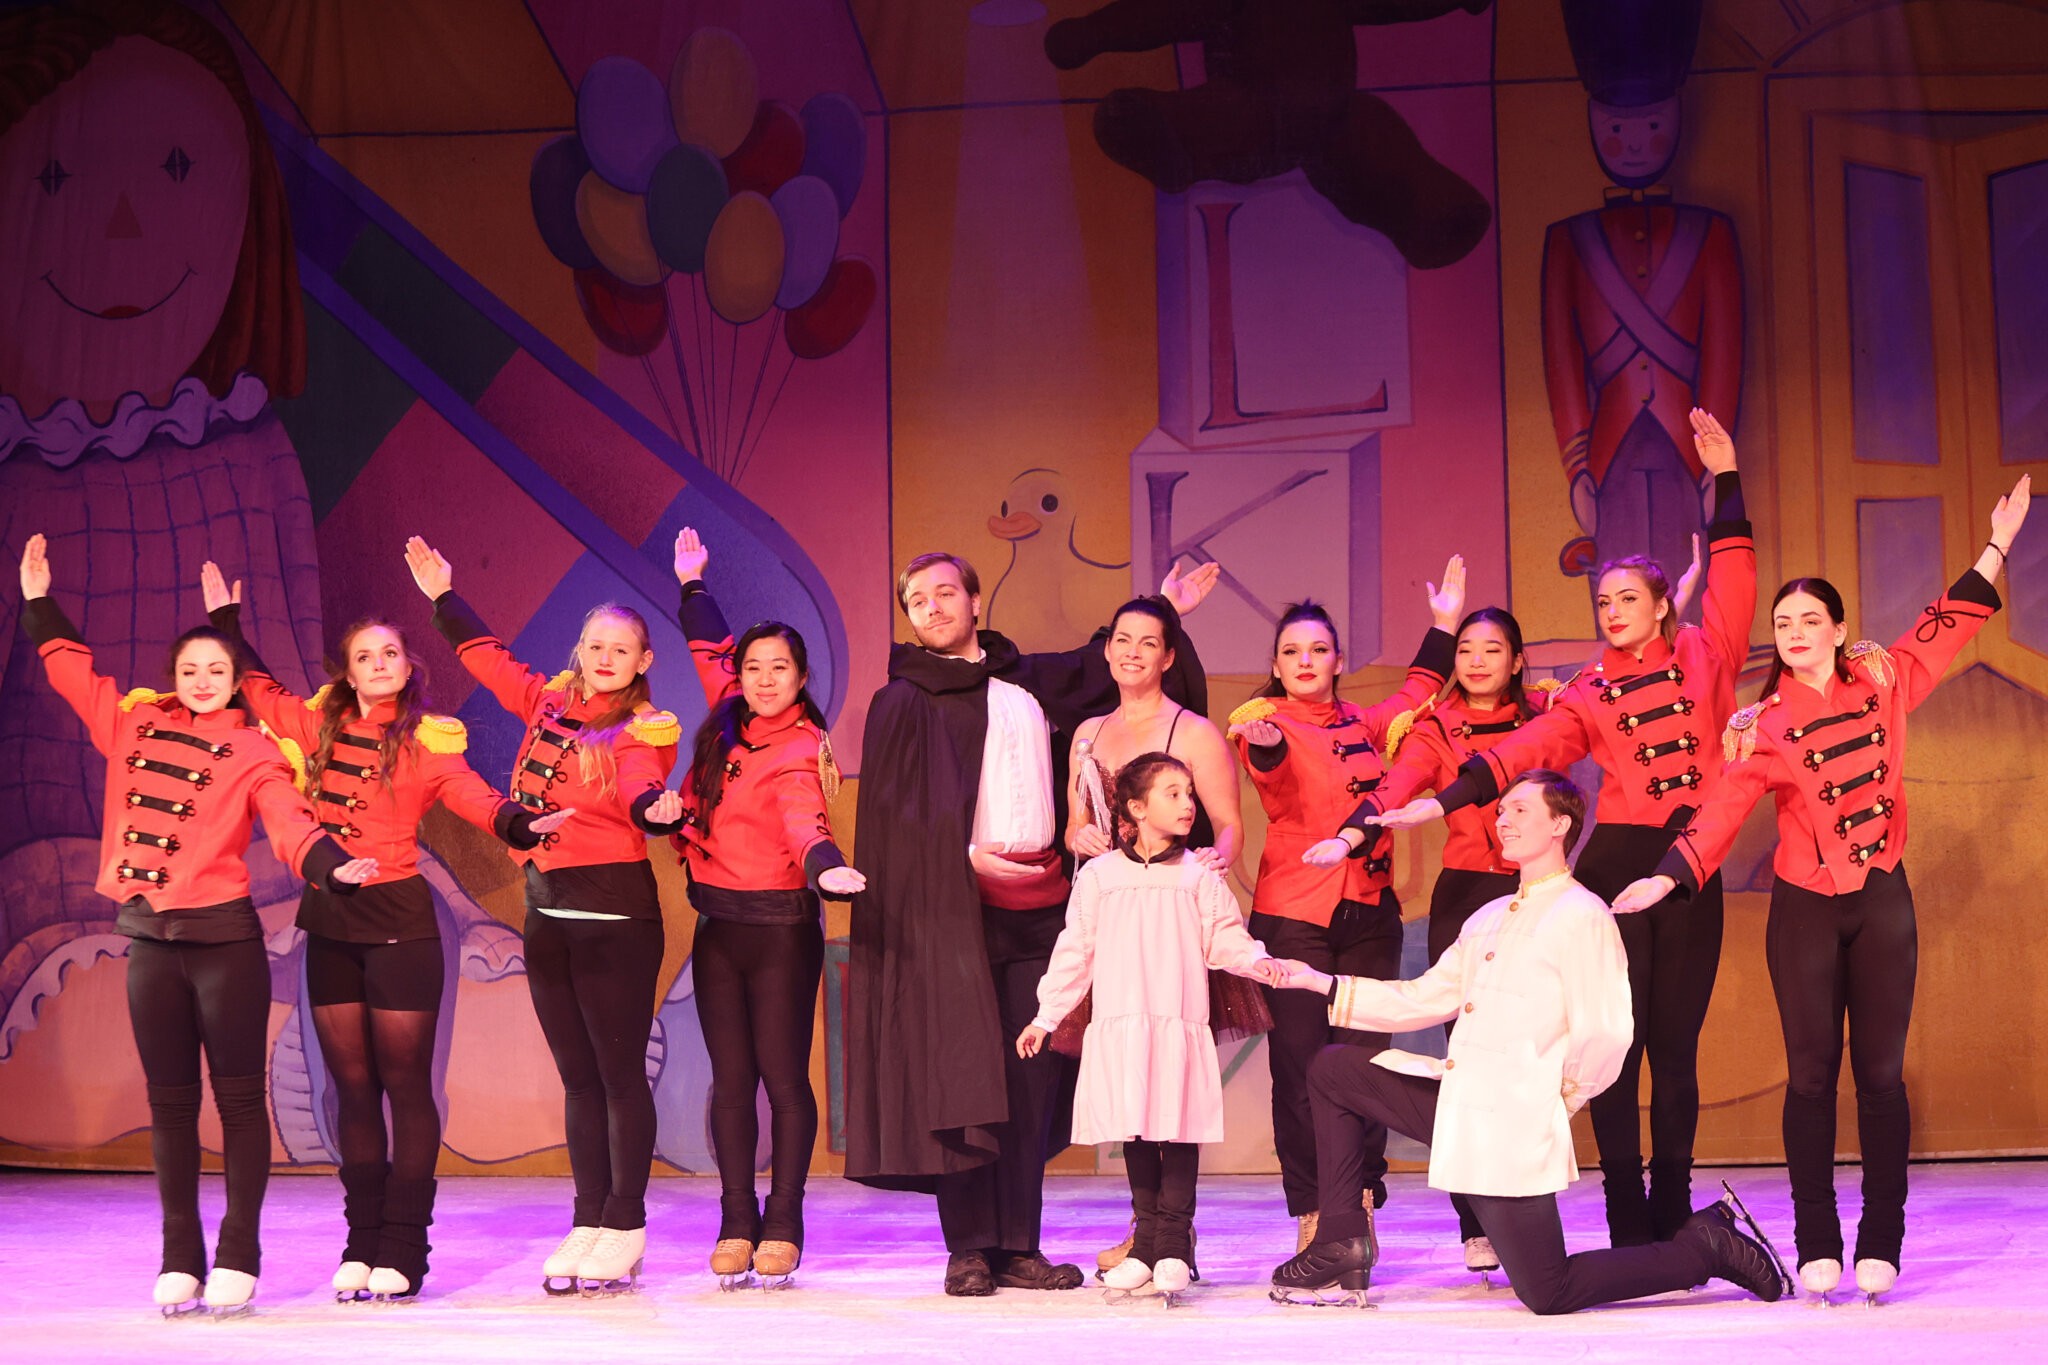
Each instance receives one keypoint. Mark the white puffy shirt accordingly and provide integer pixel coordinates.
(1013, 806)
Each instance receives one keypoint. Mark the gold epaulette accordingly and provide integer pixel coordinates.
(828, 765)
(319, 699)
(1258, 708)
(1547, 688)
(441, 734)
(1738, 741)
(659, 728)
(1402, 724)
(1876, 661)
(146, 696)
(560, 682)
(293, 754)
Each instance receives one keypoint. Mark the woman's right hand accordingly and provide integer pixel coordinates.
(1326, 853)
(665, 809)
(1086, 841)
(357, 871)
(691, 556)
(1409, 816)
(213, 586)
(429, 569)
(1641, 895)
(35, 568)
(1260, 734)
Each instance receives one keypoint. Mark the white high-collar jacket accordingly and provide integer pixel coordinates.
(1538, 984)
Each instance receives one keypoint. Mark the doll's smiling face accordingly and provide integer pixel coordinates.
(124, 195)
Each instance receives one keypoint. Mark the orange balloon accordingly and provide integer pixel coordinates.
(712, 91)
(743, 259)
(614, 223)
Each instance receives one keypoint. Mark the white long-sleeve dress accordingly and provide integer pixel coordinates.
(1144, 934)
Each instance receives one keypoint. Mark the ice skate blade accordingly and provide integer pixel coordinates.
(1875, 1300)
(352, 1296)
(231, 1311)
(605, 1289)
(772, 1283)
(1788, 1287)
(173, 1311)
(728, 1284)
(1317, 1298)
(393, 1300)
(558, 1286)
(1821, 1301)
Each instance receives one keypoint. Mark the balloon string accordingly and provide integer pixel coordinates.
(768, 412)
(707, 346)
(732, 365)
(754, 398)
(709, 453)
(675, 346)
(654, 382)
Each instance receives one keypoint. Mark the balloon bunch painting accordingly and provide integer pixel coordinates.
(693, 212)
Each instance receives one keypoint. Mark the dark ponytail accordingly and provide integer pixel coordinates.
(720, 732)
(1830, 597)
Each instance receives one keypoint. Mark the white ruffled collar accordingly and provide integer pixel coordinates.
(65, 433)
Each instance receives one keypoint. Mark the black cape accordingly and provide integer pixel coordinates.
(924, 1048)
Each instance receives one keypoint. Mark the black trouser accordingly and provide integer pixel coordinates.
(592, 983)
(997, 1206)
(1162, 1176)
(185, 998)
(1460, 892)
(757, 996)
(1354, 1098)
(1363, 939)
(1853, 955)
(1674, 954)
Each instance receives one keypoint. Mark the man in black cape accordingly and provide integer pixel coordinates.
(949, 940)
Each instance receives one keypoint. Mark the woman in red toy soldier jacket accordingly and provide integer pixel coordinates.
(595, 745)
(1311, 756)
(1484, 703)
(1828, 740)
(1647, 710)
(375, 759)
(759, 849)
(186, 774)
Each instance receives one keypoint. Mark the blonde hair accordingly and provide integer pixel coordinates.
(596, 759)
(1653, 576)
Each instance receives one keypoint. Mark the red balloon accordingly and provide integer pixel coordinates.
(773, 152)
(631, 319)
(835, 314)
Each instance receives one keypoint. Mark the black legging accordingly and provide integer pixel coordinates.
(757, 996)
(1674, 954)
(1457, 896)
(592, 983)
(1853, 955)
(1356, 1102)
(1363, 939)
(1163, 1177)
(185, 998)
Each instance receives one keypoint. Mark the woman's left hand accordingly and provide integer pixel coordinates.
(1211, 858)
(357, 871)
(1447, 603)
(2011, 513)
(665, 809)
(841, 881)
(1186, 591)
(554, 820)
(1710, 441)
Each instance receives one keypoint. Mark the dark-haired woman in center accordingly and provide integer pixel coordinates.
(1312, 755)
(758, 845)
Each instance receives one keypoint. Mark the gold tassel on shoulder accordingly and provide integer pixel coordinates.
(828, 765)
(659, 728)
(146, 696)
(1402, 724)
(293, 755)
(1738, 741)
(319, 699)
(441, 735)
(1876, 661)
(560, 682)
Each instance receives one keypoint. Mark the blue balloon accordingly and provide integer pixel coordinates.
(835, 145)
(684, 198)
(810, 234)
(558, 169)
(622, 115)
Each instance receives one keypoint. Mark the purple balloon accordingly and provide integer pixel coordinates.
(622, 116)
(835, 145)
(683, 201)
(558, 169)
(809, 214)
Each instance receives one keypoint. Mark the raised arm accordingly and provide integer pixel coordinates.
(276, 705)
(1435, 659)
(702, 622)
(1730, 603)
(96, 699)
(1923, 654)
(517, 687)
(1072, 685)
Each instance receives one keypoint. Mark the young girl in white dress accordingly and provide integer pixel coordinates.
(1145, 923)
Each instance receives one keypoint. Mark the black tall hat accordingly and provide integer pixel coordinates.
(1632, 52)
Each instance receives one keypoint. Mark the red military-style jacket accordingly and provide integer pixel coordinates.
(1642, 312)
(1328, 757)
(1445, 735)
(1649, 722)
(769, 831)
(1835, 760)
(369, 816)
(548, 775)
(182, 789)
